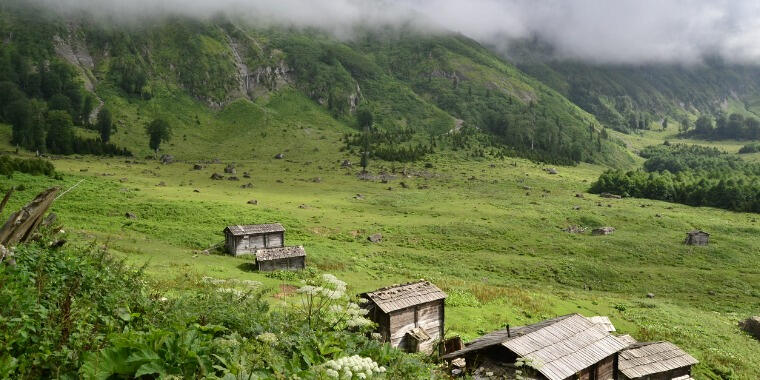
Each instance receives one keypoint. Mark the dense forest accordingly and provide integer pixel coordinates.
(692, 175)
(722, 127)
(41, 96)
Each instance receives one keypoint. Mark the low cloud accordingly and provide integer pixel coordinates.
(604, 31)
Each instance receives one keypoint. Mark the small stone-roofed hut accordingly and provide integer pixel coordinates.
(655, 360)
(566, 347)
(246, 239)
(284, 258)
(409, 316)
(697, 237)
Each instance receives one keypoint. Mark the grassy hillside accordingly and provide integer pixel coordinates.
(189, 71)
(616, 93)
(490, 235)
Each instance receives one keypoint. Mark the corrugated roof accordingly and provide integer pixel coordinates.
(563, 346)
(643, 359)
(604, 322)
(266, 254)
(399, 297)
(627, 339)
(239, 230)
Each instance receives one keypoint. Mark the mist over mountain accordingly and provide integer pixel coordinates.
(622, 32)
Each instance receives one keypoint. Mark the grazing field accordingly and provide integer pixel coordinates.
(487, 231)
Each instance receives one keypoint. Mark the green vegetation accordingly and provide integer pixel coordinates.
(734, 127)
(80, 312)
(34, 166)
(692, 175)
(158, 131)
(750, 148)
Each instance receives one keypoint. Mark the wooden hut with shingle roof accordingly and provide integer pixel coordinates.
(409, 316)
(281, 258)
(246, 239)
(566, 347)
(655, 360)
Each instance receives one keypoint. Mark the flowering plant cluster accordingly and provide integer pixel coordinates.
(352, 367)
(326, 305)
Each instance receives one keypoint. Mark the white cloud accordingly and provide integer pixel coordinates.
(616, 31)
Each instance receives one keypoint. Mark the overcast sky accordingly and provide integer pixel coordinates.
(611, 31)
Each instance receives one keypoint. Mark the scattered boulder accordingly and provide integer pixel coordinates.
(122, 180)
(233, 178)
(280, 181)
(751, 326)
(303, 207)
(610, 196)
(528, 188)
(359, 196)
(130, 215)
(575, 229)
(229, 169)
(279, 156)
(346, 164)
(58, 243)
(198, 167)
(552, 171)
(196, 191)
(247, 186)
(83, 170)
(217, 177)
(253, 202)
(167, 159)
(576, 208)
(579, 195)
(375, 238)
(650, 295)
(161, 184)
(404, 185)
(246, 175)
(603, 231)
(316, 179)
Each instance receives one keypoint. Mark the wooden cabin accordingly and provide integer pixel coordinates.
(284, 258)
(697, 237)
(655, 361)
(245, 240)
(409, 316)
(567, 347)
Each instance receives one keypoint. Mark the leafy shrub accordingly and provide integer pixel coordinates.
(34, 166)
(750, 148)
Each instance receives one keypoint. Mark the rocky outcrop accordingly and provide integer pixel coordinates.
(74, 51)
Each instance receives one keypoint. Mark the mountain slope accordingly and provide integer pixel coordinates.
(418, 85)
(619, 94)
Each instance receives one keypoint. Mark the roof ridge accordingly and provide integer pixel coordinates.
(399, 285)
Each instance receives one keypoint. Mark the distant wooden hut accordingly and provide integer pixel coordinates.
(655, 360)
(697, 237)
(245, 240)
(284, 258)
(409, 316)
(566, 347)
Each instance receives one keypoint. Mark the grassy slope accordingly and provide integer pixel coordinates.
(499, 252)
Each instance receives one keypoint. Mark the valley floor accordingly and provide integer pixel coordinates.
(490, 233)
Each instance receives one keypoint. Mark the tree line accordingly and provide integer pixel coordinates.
(722, 127)
(691, 175)
(42, 100)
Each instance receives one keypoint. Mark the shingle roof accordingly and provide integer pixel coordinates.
(251, 229)
(266, 254)
(604, 322)
(627, 339)
(642, 359)
(398, 297)
(563, 345)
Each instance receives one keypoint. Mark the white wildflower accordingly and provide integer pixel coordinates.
(268, 338)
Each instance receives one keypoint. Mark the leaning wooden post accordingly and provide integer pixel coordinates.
(21, 225)
(5, 199)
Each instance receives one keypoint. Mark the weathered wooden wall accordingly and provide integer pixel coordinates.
(427, 316)
(248, 244)
(292, 263)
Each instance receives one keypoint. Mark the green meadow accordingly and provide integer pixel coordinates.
(488, 231)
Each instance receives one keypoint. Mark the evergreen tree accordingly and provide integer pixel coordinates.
(158, 131)
(60, 135)
(104, 124)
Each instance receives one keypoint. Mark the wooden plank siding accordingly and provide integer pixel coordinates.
(248, 244)
(428, 316)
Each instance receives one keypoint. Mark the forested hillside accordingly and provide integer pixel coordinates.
(426, 88)
(640, 96)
